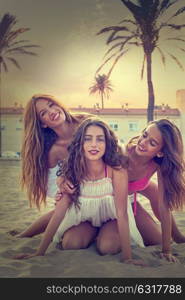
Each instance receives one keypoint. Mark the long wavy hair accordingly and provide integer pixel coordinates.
(37, 141)
(75, 168)
(172, 164)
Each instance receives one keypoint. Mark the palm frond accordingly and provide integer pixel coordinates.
(21, 48)
(19, 42)
(28, 53)
(113, 47)
(182, 49)
(173, 26)
(111, 36)
(178, 12)
(175, 39)
(172, 3)
(9, 43)
(128, 21)
(135, 43)
(13, 34)
(4, 65)
(106, 61)
(176, 60)
(126, 41)
(21, 51)
(15, 62)
(134, 9)
(118, 37)
(164, 5)
(115, 62)
(145, 10)
(115, 28)
(6, 24)
(162, 55)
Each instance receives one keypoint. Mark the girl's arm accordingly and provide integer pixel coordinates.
(166, 222)
(120, 186)
(53, 224)
(65, 187)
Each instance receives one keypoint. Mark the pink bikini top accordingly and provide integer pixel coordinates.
(141, 184)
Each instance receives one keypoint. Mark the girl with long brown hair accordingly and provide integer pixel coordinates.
(97, 167)
(48, 130)
(158, 150)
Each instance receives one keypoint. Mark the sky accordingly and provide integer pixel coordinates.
(71, 51)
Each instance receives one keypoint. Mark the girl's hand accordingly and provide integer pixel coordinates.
(26, 255)
(137, 262)
(65, 186)
(169, 257)
(58, 196)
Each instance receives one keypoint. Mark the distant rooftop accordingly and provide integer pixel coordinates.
(12, 110)
(127, 111)
(162, 111)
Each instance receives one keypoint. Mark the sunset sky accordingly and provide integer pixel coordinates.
(71, 52)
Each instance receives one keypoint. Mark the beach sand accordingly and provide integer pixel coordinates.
(15, 213)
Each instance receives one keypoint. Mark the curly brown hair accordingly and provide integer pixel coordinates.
(75, 169)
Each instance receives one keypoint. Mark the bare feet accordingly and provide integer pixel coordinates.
(179, 239)
(17, 234)
(13, 232)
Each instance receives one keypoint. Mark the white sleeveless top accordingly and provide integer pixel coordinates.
(96, 206)
(52, 185)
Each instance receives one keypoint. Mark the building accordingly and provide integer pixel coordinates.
(126, 122)
(129, 122)
(180, 98)
(11, 128)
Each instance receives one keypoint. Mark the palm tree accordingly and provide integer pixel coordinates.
(102, 86)
(10, 46)
(143, 30)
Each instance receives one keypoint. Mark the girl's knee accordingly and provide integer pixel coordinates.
(108, 246)
(74, 243)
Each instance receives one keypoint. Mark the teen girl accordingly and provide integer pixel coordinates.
(96, 166)
(158, 150)
(48, 130)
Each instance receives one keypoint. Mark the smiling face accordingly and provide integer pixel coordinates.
(50, 114)
(94, 143)
(150, 142)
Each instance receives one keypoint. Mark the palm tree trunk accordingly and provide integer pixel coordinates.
(102, 102)
(0, 115)
(151, 98)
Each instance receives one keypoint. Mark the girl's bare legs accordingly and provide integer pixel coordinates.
(148, 228)
(150, 192)
(38, 226)
(108, 241)
(79, 237)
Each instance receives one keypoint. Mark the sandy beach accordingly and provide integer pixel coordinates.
(16, 214)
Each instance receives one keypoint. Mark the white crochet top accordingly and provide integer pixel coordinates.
(52, 185)
(96, 206)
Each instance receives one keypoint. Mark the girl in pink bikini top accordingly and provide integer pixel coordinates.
(160, 144)
(142, 183)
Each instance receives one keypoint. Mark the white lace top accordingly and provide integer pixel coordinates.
(52, 185)
(97, 206)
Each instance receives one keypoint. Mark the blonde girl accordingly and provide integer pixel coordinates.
(48, 130)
